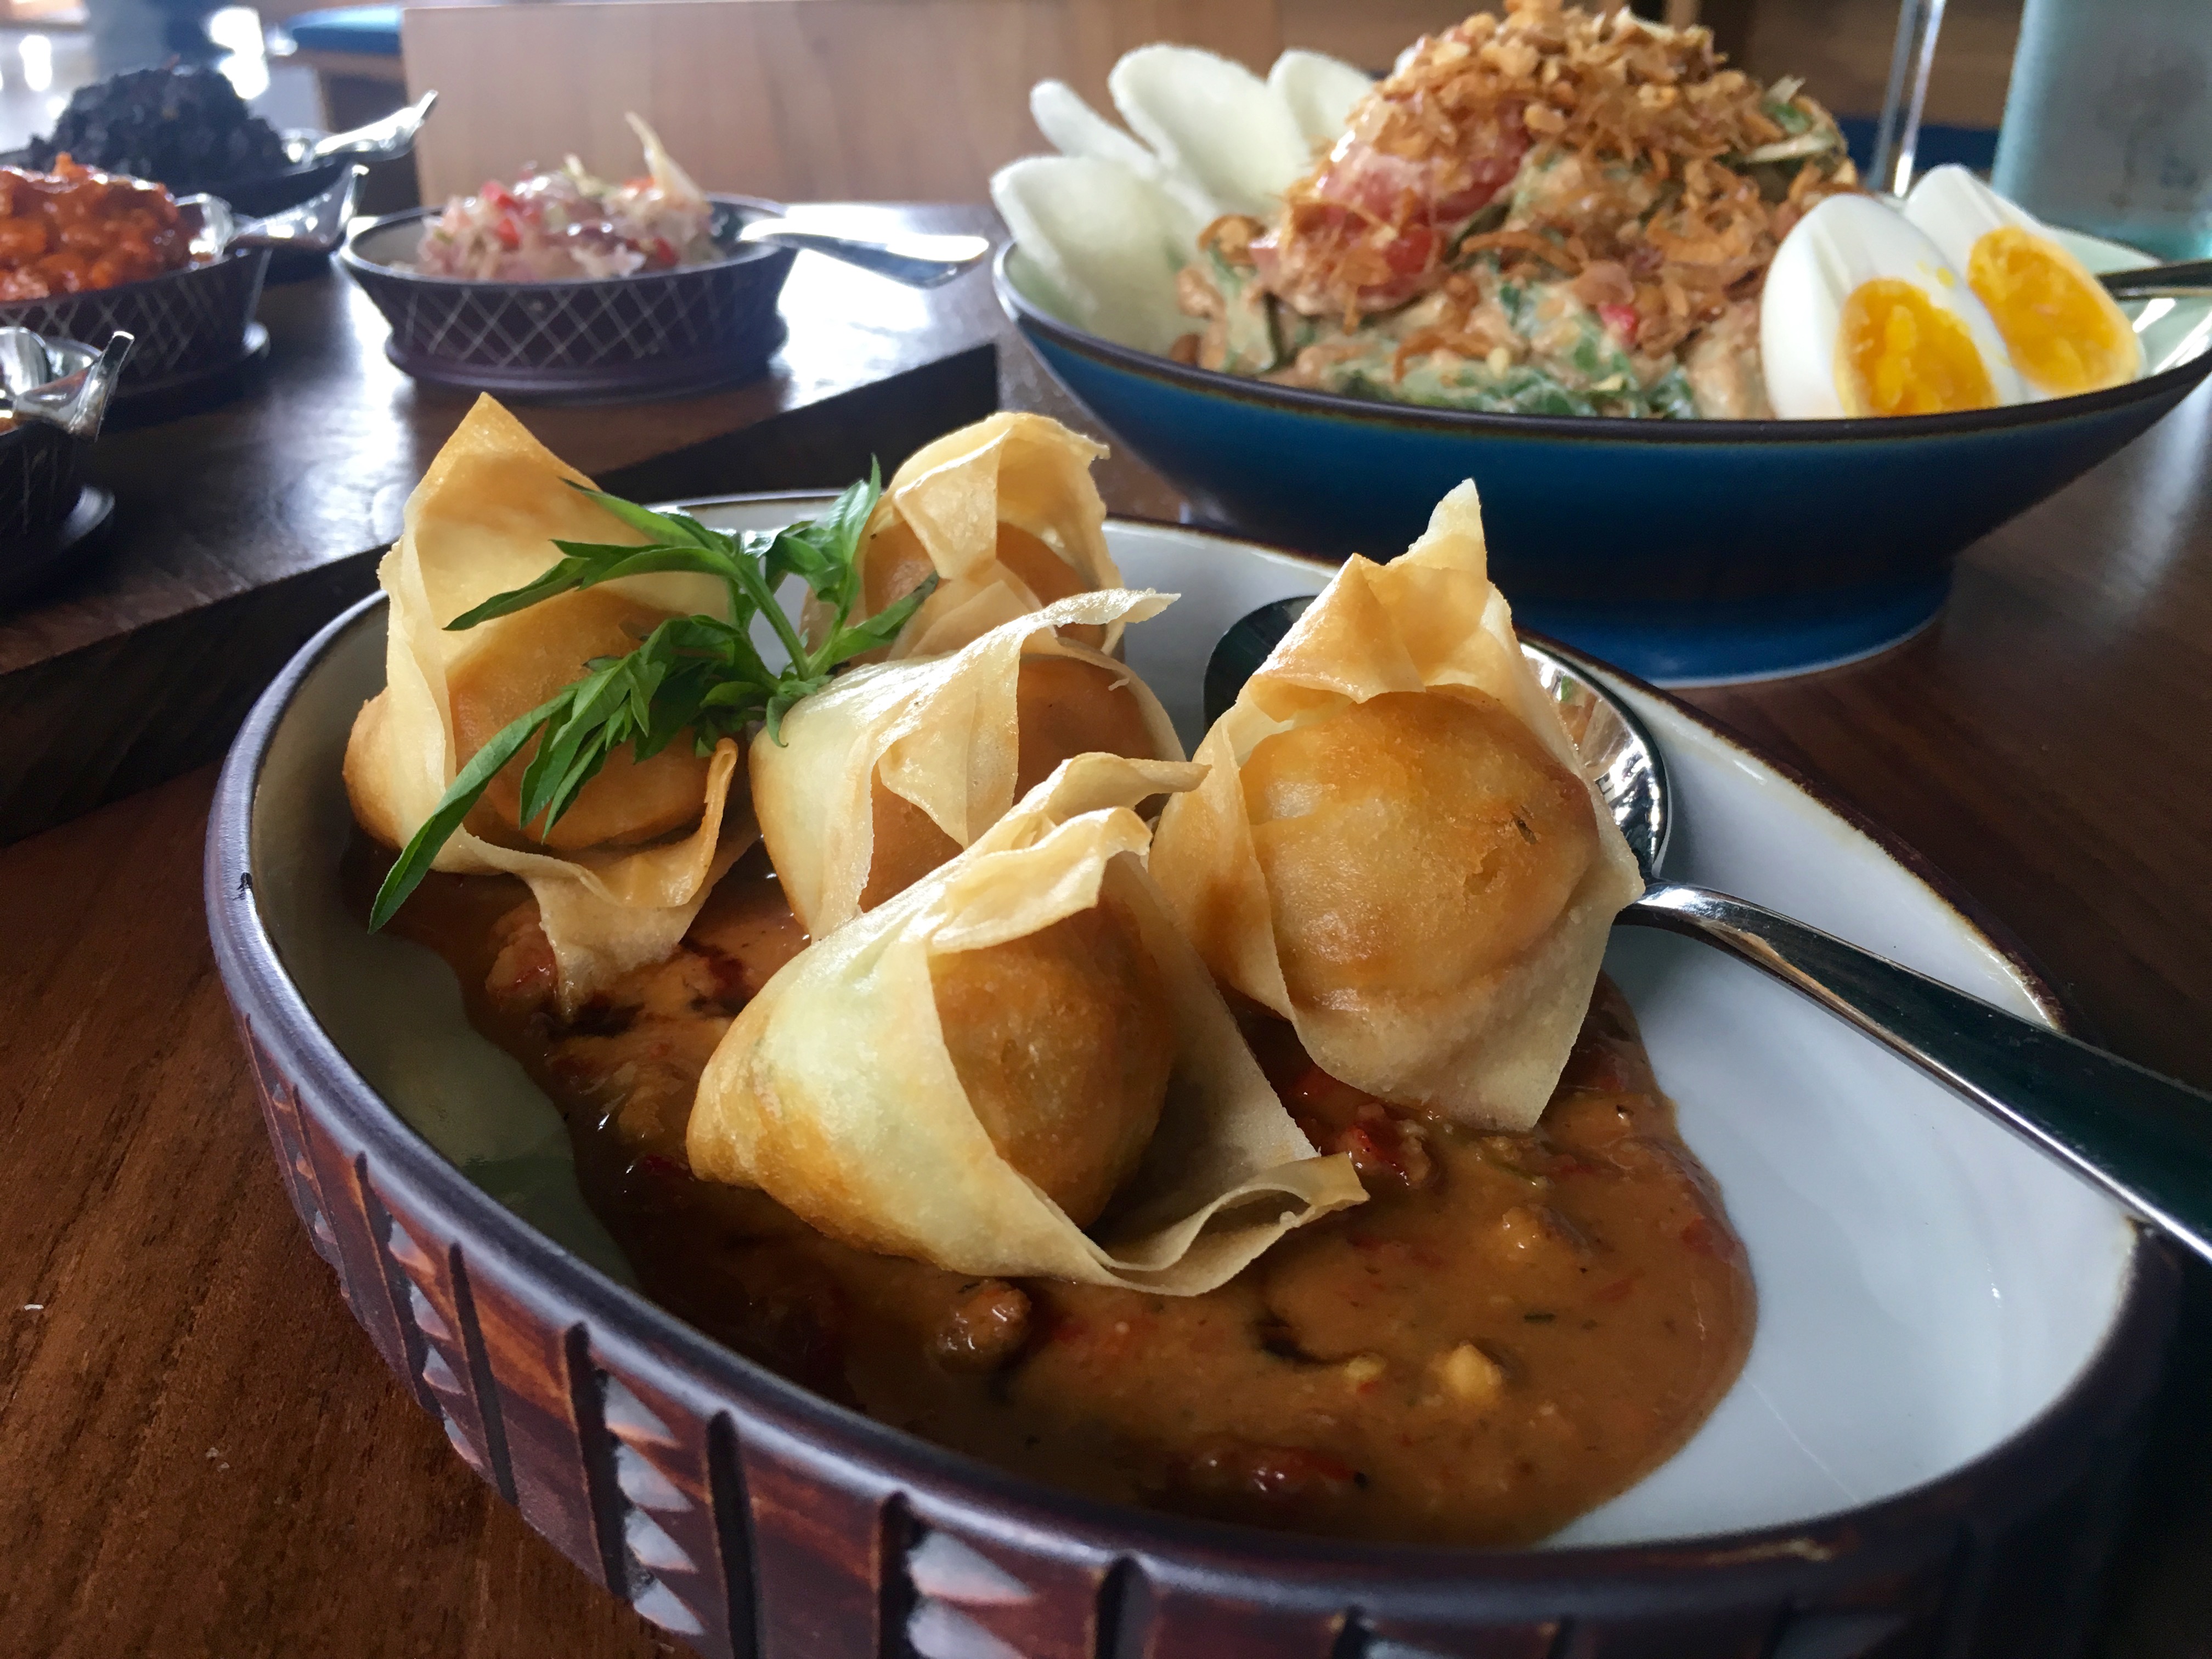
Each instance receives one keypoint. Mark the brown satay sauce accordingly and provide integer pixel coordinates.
(1511, 1329)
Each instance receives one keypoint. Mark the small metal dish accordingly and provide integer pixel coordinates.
(55, 394)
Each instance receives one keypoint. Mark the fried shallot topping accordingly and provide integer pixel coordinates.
(1590, 147)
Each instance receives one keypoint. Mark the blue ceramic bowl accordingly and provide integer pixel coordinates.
(1682, 551)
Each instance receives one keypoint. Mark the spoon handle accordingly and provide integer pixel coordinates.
(2144, 1138)
(919, 261)
(2186, 279)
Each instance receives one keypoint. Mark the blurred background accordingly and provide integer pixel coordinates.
(302, 67)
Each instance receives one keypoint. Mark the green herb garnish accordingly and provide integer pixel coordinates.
(701, 674)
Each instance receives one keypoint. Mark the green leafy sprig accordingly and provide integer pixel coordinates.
(698, 674)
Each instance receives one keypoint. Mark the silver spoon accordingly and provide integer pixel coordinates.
(384, 140)
(59, 383)
(317, 225)
(919, 261)
(2144, 1138)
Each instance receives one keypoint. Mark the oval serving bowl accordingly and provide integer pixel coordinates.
(1927, 1451)
(1695, 551)
(655, 334)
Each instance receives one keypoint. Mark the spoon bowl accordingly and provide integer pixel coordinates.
(385, 139)
(2145, 1140)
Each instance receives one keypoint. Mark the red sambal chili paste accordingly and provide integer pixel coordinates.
(76, 230)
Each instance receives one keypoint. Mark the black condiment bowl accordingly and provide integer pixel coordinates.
(191, 325)
(41, 467)
(655, 334)
(46, 511)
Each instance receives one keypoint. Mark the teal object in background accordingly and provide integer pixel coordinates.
(2108, 121)
(373, 30)
(1683, 551)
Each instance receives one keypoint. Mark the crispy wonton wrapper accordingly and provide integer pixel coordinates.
(835, 1092)
(940, 731)
(482, 521)
(1023, 470)
(1489, 1050)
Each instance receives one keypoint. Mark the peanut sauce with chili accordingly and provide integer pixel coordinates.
(1513, 1329)
(76, 229)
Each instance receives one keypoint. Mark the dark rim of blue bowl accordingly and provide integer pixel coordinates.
(266, 996)
(349, 256)
(1470, 424)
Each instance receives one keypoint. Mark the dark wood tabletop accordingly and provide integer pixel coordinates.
(181, 1473)
(241, 527)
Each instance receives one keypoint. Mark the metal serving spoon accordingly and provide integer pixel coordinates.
(2144, 1138)
(36, 385)
(317, 225)
(918, 261)
(386, 139)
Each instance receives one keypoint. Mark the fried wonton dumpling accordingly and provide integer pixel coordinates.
(1395, 847)
(1018, 1046)
(1003, 511)
(894, 767)
(626, 868)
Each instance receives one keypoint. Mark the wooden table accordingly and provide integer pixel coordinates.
(179, 1475)
(239, 530)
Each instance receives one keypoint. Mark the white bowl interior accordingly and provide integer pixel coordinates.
(391, 244)
(1927, 1284)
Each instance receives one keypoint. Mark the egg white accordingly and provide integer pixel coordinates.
(1956, 209)
(1842, 244)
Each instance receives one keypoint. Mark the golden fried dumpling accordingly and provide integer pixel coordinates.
(1005, 515)
(1487, 834)
(627, 867)
(1018, 1047)
(1396, 848)
(891, 770)
(1063, 1040)
(1064, 706)
(512, 672)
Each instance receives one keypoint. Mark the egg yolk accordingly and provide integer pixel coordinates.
(2064, 336)
(1899, 353)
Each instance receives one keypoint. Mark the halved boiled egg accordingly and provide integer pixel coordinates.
(1861, 315)
(2064, 332)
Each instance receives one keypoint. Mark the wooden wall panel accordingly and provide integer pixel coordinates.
(800, 100)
